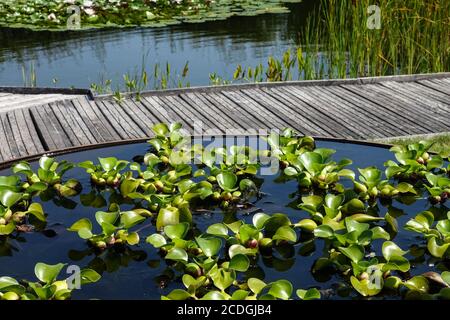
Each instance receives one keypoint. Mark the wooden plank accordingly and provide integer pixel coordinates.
(29, 134)
(74, 135)
(427, 92)
(442, 85)
(271, 120)
(117, 120)
(390, 118)
(294, 118)
(197, 111)
(295, 101)
(5, 150)
(56, 128)
(354, 117)
(17, 132)
(304, 124)
(165, 112)
(180, 109)
(77, 122)
(147, 116)
(406, 109)
(415, 96)
(95, 120)
(43, 130)
(10, 136)
(137, 116)
(239, 114)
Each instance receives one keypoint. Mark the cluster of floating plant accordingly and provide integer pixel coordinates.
(165, 190)
(85, 14)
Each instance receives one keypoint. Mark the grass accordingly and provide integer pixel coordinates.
(441, 142)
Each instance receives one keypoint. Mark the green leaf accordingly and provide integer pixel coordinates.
(161, 129)
(130, 218)
(108, 164)
(209, 245)
(46, 163)
(89, 276)
(218, 229)
(133, 238)
(247, 184)
(285, 233)
(281, 289)
(256, 285)
(446, 276)
(239, 263)
(178, 294)
(6, 282)
(223, 279)
(177, 231)
(276, 221)
(83, 227)
(310, 294)
(35, 209)
(8, 228)
(365, 287)
(129, 186)
(435, 249)
(324, 231)
(334, 201)
(353, 252)
(177, 254)
(47, 273)
(307, 225)
(106, 217)
(83, 223)
(227, 180)
(390, 249)
(9, 198)
(259, 219)
(213, 295)
(156, 240)
(417, 283)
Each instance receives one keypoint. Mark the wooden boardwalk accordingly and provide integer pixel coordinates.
(359, 109)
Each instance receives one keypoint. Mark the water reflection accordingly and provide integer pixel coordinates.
(81, 58)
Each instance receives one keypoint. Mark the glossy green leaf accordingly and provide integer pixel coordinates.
(156, 240)
(227, 180)
(310, 294)
(130, 218)
(239, 263)
(177, 231)
(281, 289)
(390, 249)
(177, 254)
(47, 273)
(209, 245)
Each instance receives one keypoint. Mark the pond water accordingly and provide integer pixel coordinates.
(81, 58)
(139, 273)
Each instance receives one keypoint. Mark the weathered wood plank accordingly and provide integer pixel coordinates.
(294, 118)
(10, 136)
(326, 110)
(137, 116)
(91, 114)
(351, 115)
(381, 113)
(118, 120)
(5, 150)
(392, 102)
(56, 129)
(77, 122)
(17, 132)
(29, 134)
(442, 85)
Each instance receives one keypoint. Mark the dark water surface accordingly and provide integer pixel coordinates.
(80, 58)
(138, 273)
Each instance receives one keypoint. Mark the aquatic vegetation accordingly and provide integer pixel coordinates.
(47, 288)
(350, 213)
(84, 14)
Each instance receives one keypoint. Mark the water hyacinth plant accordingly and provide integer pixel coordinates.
(157, 200)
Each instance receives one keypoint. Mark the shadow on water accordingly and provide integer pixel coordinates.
(80, 58)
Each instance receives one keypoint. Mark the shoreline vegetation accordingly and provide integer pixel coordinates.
(63, 15)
